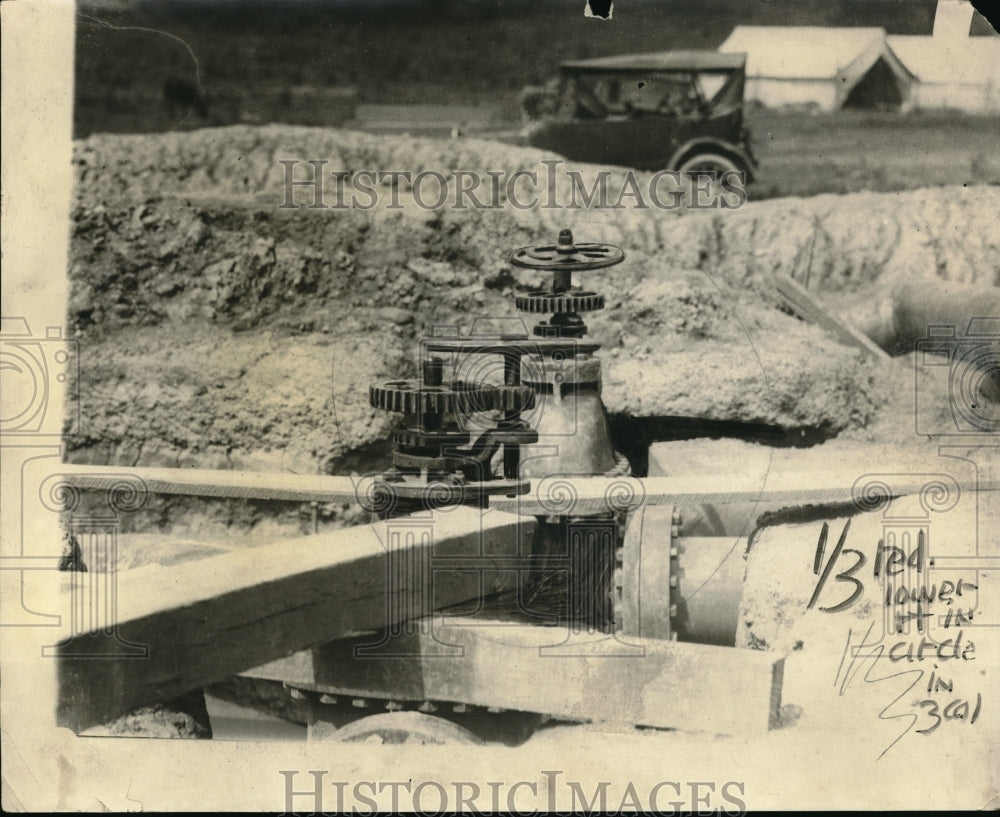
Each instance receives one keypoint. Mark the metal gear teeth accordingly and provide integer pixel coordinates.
(514, 398)
(413, 438)
(675, 531)
(571, 257)
(547, 303)
(412, 397)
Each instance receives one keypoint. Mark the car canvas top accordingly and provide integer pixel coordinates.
(661, 61)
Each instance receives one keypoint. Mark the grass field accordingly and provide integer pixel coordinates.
(848, 151)
(246, 55)
(800, 153)
(373, 66)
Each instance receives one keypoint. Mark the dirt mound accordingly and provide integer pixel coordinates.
(837, 242)
(221, 330)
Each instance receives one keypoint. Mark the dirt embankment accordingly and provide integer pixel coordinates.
(220, 330)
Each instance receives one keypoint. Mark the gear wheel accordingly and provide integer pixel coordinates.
(565, 255)
(561, 299)
(414, 397)
(547, 303)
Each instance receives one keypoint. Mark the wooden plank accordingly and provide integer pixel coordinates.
(557, 494)
(804, 304)
(571, 496)
(207, 620)
(215, 483)
(589, 677)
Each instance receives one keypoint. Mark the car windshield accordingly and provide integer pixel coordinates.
(597, 95)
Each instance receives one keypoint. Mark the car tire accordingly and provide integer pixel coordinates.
(405, 727)
(713, 163)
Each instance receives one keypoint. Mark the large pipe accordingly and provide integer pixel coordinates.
(710, 571)
(672, 586)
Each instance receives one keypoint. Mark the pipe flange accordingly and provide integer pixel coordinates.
(645, 576)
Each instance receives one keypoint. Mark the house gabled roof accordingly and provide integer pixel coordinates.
(969, 61)
(804, 52)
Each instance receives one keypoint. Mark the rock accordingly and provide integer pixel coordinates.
(183, 717)
(196, 233)
(270, 697)
(396, 315)
(168, 288)
(439, 273)
(137, 216)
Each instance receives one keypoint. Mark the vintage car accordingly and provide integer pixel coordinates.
(674, 110)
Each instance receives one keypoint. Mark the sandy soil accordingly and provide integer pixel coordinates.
(218, 330)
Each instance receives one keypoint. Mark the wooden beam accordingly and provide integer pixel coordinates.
(176, 629)
(587, 677)
(808, 307)
(215, 483)
(577, 496)
(558, 494)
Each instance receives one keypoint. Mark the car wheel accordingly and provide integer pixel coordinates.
(713, 165)
(405, 727)
(708, 163)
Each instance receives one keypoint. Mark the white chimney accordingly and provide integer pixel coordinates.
(953, 19)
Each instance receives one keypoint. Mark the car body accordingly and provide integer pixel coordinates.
(674, 110)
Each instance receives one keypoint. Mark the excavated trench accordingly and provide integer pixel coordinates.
(218, 330)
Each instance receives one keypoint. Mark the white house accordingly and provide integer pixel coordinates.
(825, 67)
(953, 69)
(830, 68)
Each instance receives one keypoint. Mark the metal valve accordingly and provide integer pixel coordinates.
(562, 301)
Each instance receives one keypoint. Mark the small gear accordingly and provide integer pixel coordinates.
(509, 398)
(417, 438)
(411, 397)
(547, 303)
(415, 397)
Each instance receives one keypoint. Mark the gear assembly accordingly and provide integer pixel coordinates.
(452, 429)
(471, 430)
(500, 510)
